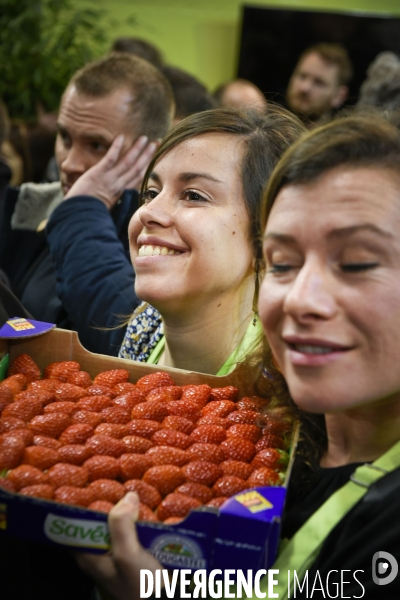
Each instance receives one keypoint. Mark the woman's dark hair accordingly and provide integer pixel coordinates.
(354, 141)
(265, 138)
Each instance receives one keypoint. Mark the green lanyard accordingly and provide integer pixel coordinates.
(301, 551)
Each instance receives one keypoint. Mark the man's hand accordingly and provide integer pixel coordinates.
(115, 173)
(118, 572)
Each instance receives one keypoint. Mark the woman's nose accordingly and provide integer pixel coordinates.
(159, 211)
(312, 294)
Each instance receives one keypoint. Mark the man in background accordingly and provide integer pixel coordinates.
(241, 93)
(318, 85)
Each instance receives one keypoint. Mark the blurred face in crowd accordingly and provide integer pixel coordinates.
(190, 241)
(86, 129)
(330, 301)
(314, 87)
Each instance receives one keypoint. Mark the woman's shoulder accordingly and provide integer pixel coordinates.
(144, 331)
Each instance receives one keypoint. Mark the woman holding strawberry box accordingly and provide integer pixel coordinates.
(329, 305)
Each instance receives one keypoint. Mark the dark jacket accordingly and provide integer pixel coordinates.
(26, 259)
(95, 278)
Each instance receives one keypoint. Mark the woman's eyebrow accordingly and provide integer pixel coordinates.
(351, 230)
(189, 176)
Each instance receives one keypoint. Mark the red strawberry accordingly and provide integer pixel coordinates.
(270, 440)
(11, 451)
(15, 383)
(81, 378)
(153, 409)
(165, 478)
(147, 493)
(226, 393)
(217, 502)
(40, 490)
(176, 505)
(204, 451)
(22, 409)
(75, 454)
(115, 430)
(40, 457)
(263, 476)
(146, 514)
(23, 434)
(112, 377)
(126, 388)
(61, 370)
(134, 466)
(179, 423)
(25, 365)
(128, 400)
(76, 496)
(68, 408)
(136, 444)
(100, 390)
(93, 403)
(199, 394)
(50, 425)
(101, 506)
(212, 419)
(143, 427)
(252, 403)
(107, 489)
(236, 467)
(7, 484)
(46, 385)
(201, 471)
(155, 380)
(11, 423)
(165, 394)
(201, 492)
(41, 397)
(276, 427)
(244, 431)
(89, 418)
(270, 457)
(229, 485)
(184, 408)
(248, 417)
(220, 408)
(104, 444)
(171, 437)
(167, 455)
(47, 442)
(25, 475)
(76, 434)
(66, 474)
(212, 434)
(172, 520)
(238, 449)
(113, 414)
(67, 392)
(6, 397)
(102, 467)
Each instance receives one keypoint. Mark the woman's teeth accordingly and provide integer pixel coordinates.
(157, 251)
(305, 349)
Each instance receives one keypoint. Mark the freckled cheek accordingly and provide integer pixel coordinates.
(134, 229)
(270, 308)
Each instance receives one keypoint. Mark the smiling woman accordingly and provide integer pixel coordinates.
(329, 304)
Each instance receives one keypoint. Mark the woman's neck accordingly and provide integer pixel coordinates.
(204, 339)
(362, 434)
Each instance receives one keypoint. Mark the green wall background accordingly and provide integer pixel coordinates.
(202, 36)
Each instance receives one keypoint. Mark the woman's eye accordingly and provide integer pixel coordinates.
(279, 268)
(357, 267)
(194, 196)
(148, 195)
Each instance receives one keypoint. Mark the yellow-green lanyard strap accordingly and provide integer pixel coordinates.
(301, 551)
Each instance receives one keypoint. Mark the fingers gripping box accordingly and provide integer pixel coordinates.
(243, 533)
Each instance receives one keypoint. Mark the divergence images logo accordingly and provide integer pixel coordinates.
(380, 566)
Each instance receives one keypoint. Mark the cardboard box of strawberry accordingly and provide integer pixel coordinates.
(203, 462)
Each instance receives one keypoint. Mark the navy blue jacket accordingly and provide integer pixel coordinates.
(94, 275)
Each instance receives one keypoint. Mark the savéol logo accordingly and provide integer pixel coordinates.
(380, 567)
(77, 532)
